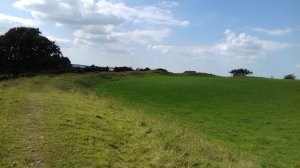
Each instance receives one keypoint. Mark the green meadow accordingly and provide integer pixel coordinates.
(258, 116)
(149, 120)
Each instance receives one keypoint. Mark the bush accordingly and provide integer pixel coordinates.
(290, 76)
(240, 72)
(161, 70)
(141, 69)
(91, 68)
(122, 69)
(189, 72)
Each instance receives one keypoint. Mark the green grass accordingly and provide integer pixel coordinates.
(257, 117)
(60, 121)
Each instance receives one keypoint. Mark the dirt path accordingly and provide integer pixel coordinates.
(34, 143)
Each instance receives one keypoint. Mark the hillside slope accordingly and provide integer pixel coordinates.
(257, 116)
(60, 122)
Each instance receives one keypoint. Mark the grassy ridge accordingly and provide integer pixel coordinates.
(257, 116)
(60, 122)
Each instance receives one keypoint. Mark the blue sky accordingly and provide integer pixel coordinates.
(212, 36)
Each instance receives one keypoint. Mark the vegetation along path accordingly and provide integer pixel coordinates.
(60, 121)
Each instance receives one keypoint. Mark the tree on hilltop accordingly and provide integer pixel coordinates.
(240, 72)
(289, 76)
(24, 49)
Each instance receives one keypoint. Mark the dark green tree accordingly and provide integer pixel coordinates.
(289, 76)
(24, 49)
(240, 72)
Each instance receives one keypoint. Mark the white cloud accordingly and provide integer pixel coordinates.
(298, 66)
(274, 32)
(242, 47)
(101, 23)
(162, 48)
(199, 52)
(89, 12)
(104, 34)
(20, 4)
(61, 41)
(143, 36)
(168, 4)
(7, 21)
(17, 20)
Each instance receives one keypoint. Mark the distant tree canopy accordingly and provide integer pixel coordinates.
(122, 69)
(141, 69)
(24, 49)
(290, 76)
(189, 72)
(161, 70)
(240, 72)
(91, 68)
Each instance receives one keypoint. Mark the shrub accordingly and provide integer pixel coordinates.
(189, 72)
(161, 70)
(240, 72)
(290, 76)
(122, 69)
(141, 69)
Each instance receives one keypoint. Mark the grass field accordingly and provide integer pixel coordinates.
(151, 120)
(260, 117)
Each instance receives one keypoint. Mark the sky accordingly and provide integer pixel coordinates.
(212, 36)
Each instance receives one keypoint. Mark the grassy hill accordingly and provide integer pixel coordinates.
(257, 116)
(148, 120)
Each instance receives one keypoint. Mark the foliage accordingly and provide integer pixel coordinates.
(290, 76)
(141, 69)
(194, 73)
(24, 49)
(161, 70)
(189, 72)
(240, 72)
(122, 69)
(91, 68)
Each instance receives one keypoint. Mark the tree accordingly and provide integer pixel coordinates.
(122, 69)
(189, 72)
(290, 76)
(141, 69)
(161, 70)
(240, 72)
(24, 49)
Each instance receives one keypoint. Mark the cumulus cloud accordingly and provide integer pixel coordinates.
(101, 23)
(168, 4)
(235, 46)
(143, 36)
(17, 20)
(90, 12)
(195, 52)
(274, 32)
(7, 21)
(61, 41)
(71, 13)
(245, 46)
(104, 34)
